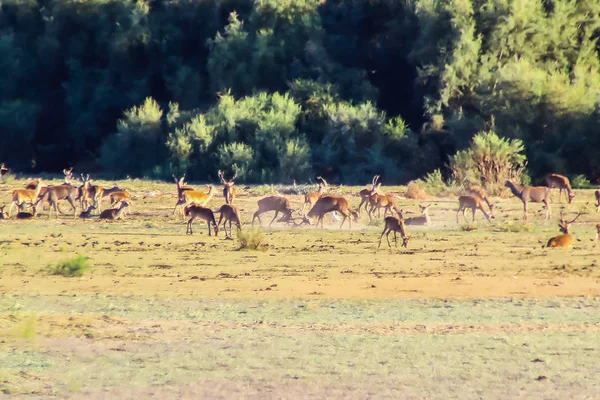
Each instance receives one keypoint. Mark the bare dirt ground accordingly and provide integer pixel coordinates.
(317, 313)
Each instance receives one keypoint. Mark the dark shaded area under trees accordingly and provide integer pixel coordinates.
(285, 90)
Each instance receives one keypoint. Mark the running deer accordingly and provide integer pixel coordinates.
(329, 203)
(22, 196)
(87, 213)
(365, 194)
(394, 224)
(228, 188)
(597, 194)
(3, 215)
(562, 183)
(472, 202)
(114, 213)
(536, 194)
(278, 204)
(482, 194)
(422, 220)
(181, 188)
(229, 213)
(311, 198)
(192, 196)
(194, 211)
(566, 239)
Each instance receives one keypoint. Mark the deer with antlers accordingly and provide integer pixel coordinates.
(329, 203)
(89, 192)
(536, 194)
(366, 194)
(472, 202)
(228, 188)
(181, 188)
(279, 204)
(229, 213)
(422, 220)
(394, 224)
(22, 196)
(193, 196)
(194, 211)
(562, 183)
(565, 239)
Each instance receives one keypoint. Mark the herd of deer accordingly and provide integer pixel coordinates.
(320, 203)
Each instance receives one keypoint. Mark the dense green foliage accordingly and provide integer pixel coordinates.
(283, 90)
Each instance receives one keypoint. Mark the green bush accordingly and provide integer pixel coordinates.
(580, 182)
(252, 239)
(76, 266)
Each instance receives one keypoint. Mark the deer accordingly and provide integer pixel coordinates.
(597, 233)
(68, 176)
(229, 213)
(114, 213)
(53, 194)
(33, 184)
(3, 171)
(181, 188)
(421, 220)
(329, 203)
(278, 204)
(394, 224)
(192, 196)
(472, 202)
(21, 196)
(482, 194)
(536, 194)
(91, 192)
(311, 198)
(597, 194)
(114, 189)
(365, 194)
(87, 213)
(562, 183)
(385, 201)
(3, 215)
(195, 211)
(119, 197)
(228, 188)
(565, 239)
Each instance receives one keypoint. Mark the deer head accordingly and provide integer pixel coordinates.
(564, 225)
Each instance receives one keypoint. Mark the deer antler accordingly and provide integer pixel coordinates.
(220, 174)
(577, 216)
(235, 175)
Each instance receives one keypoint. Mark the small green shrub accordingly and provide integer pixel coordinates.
(252, 239)
(580, 182)
(469, 227)
(514, 226)
(76, 266)
(433, 183)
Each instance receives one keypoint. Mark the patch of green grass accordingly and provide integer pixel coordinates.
(75, 266)
(26, 329)
(469, 227)
(252, 239)
(514, 226)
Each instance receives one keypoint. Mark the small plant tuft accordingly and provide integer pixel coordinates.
(580, 182)
(469, 227)
(513, 226)
(252, 239)
(76, 266)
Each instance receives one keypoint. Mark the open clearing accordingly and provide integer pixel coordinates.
(486, 313)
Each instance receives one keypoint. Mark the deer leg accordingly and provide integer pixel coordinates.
(457, 212)
(396, 239)
(276, 214)
(387, 236)
(547, 209)
(384, 229)
(474, 209)
(208, 225)
(256, 215)
(525, 208)
(361, 203)
(230, 231)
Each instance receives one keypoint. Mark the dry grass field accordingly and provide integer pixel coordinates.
(466, 311)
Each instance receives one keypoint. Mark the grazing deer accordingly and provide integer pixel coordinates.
(181, 188)
(228, 188)
(482, 194)
(93, 193)
(53, 194)
(562, 183)
(21, 196)
(278, 204)
(119, 197)
(231, 214)
(566, 239)
(87, 213)
(422, 220)
(472, 202)
(3, 215)
(365, 194)
(536, 194)
(393, 224)
(597, 194)
(114, 189)
(329, 203)
(192, 196)
(3, 171)
(311, 198)
(194, 211)
(114, 213)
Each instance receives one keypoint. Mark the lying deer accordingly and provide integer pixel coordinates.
(194, 211)
(421, 220)
(278, 204)
(365, 194)
(229, 213)
(228, 188)
(566, 239)
(114, 213)
(394, 224)
(472, 202)
(562, 183)
(539, 194)
(87, 213)
(329, 203)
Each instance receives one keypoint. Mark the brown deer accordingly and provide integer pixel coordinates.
(114, 213)
(482, 194)
(229, 213)
(22, 196)
(385, 201)
(562, 183)
(422, 220)
(194, 211)
(53, 194)
(93, 193)
(119, 197)
(181, 188)
(365, 194)
(114, 189)
(329, 203)
(278, 204)
(228, 188)
(394, 224)
(33, 184)
(68, 176)
(536, 194)
(597, 194)
(566, 239)
(87, 213)
(3, 171)
(3, 215)
(472, 202)
(192, 196)
(311, 198)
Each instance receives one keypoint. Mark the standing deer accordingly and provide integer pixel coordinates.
(228, 188)
(566, 239)
(394, 224)
(89, 192)
(181, 188)
(482, 194)
(365, 194)
(119, 197)
(192, 196)
(114, 213)
(194, 211)
(229, 213)
(114, 189)
(536, 194)
(21, 196)
(53, 194)
(385, 201)
(562, 183)
(597, 194)
(311, 198)
(278, 204)
(329, 203)
(472, 202)
(422, 220)
(3, 171)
